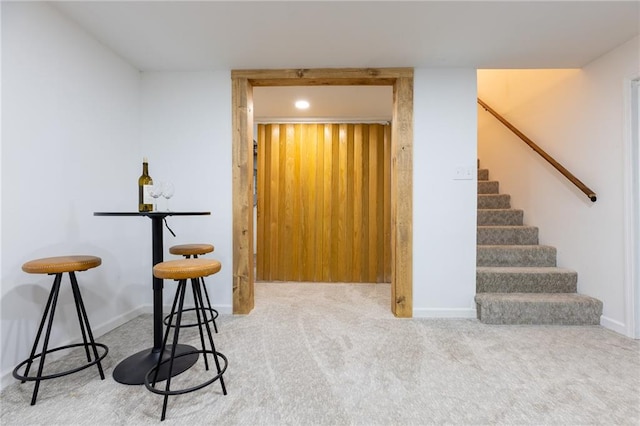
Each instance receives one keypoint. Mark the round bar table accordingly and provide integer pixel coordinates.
(131, 370)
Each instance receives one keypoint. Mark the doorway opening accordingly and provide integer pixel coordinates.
(401, 79)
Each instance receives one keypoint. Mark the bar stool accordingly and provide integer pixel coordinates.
(58, 266)
(182, 270)
(195, 250)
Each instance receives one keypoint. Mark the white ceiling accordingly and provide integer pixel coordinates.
(328, 104)
(213, 35)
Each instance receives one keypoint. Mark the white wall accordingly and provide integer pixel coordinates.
(186, 133)
(70, 114)
(577, 117)
(444, 212)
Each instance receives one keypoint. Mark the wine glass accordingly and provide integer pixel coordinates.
(167, 191)
(155, 191)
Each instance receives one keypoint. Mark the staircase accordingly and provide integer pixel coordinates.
(517, 281)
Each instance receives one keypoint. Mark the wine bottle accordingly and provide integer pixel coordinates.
(145, 202)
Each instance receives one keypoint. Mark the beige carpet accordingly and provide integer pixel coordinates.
(334, 355)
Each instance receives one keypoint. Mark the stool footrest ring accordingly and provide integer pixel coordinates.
(147, 377)
(62, 373)
(212, 311)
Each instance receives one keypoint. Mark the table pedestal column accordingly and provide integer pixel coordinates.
(131, 371)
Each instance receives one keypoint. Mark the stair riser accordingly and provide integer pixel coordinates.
(488, 187)
(494, 201)
(516, 256)
(542, 313)
(551, 282)
(494, 235)
(498, 217)
(483, 174)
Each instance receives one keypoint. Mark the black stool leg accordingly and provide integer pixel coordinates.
(198, 305)
(56, 283)
(75, 299)
(83, 319)
(166, 336)
(181, 291)
(55, 291)
(213, 347)
(211, 310)
(204, 288)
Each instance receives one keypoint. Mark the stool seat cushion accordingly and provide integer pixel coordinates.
(191, 249)
(60, 264)
(182, 269)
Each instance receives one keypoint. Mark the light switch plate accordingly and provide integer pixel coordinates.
(463, 173)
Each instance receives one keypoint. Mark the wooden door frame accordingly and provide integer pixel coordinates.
(401, 79)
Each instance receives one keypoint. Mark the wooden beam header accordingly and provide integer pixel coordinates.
(323, 76)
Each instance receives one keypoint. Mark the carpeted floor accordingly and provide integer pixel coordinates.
(334, 355)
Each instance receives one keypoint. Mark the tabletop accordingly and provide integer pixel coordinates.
(151, 214)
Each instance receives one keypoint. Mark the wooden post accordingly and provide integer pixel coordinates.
(402, 199)
(243, 262)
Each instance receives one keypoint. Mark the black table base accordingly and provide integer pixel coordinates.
(131, 371)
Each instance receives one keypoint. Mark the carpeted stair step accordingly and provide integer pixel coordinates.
(488, 187)
(538, 308)
(525, 280)
(507, 235)
(489, 217)
(494, 201)
(512, 255)
(483, 174)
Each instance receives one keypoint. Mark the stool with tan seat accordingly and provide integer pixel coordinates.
(182, 270)
(58, 266)
(195, 250)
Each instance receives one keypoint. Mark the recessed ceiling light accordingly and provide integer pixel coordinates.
(302, 104)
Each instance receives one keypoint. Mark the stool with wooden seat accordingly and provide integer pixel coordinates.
(182, 270)
(195, 250)
(58, 266)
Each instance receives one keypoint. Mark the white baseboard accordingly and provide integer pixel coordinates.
(444, 313)
(614, 325)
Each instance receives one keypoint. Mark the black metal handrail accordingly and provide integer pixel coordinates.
(566, 173)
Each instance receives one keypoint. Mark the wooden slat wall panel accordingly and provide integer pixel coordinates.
(342, 203)
(273, 181)
(296, 227)
(349, 203)
(309, 214)
(260, 183)
(319, 203)
(323, 202)
(387, 206)
(357, 204)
